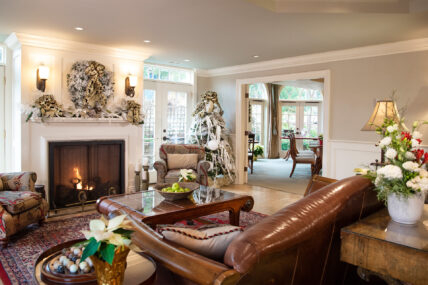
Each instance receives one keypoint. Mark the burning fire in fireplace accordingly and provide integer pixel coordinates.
(78, 182)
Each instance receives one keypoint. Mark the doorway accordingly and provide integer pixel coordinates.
(168, 108)
(307, 116)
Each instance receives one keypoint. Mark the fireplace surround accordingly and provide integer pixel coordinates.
(82, 171)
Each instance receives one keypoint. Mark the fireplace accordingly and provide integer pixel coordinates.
(82, 171)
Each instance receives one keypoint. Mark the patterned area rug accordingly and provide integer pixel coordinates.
(17, 260)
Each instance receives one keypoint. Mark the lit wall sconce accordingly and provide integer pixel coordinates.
(42, 76)
(130, 83)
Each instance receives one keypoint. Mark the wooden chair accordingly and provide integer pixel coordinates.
(301, 159)
(251, 143)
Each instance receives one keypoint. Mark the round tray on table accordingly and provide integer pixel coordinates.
(141, 269)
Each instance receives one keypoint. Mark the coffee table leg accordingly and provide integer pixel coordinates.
(234, 217)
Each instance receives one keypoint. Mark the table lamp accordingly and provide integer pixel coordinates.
(384, 109)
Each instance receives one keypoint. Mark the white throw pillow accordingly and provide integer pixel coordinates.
(208, 240)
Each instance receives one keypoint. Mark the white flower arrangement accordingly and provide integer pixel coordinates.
(406, 171)
(187, 175)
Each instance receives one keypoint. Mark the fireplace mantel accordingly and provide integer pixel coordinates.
(80, 120)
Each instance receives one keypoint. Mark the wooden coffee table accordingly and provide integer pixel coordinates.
(151, 208)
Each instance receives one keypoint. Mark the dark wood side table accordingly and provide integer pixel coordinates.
(40, 189)
(390, 250)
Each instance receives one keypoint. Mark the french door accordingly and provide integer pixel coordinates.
(304, 118)
(167, 107)
(258, 120)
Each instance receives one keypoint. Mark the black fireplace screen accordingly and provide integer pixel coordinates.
(80, 172)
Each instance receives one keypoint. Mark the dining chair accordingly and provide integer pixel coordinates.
(251, 143)
(302, 158)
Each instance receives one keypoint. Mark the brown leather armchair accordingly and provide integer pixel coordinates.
(299, 244)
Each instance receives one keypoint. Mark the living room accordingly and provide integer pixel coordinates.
(214, 142)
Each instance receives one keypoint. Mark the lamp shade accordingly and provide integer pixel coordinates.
(383, 109)
(133, 80)
(43, 72)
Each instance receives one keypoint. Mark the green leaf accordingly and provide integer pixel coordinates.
(107, 252)
(91, 248)
(123, 232)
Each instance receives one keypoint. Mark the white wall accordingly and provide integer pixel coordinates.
(355, 85)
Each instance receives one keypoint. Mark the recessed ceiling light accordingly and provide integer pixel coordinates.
(187, 60)
(256, 56)
(147, 41)
(78, 28)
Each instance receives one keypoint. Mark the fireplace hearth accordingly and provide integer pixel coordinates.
(80, 172)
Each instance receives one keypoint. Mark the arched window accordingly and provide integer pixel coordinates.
(297, 93)
(258, 91)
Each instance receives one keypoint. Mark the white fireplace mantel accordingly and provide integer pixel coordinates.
(39, 134)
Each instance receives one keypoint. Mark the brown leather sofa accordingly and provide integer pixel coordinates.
(299, 244)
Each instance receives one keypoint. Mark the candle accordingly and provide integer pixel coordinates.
(144, 175)
(138, 166)
(145, 161)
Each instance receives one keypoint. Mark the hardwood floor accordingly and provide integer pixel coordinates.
(266, 200)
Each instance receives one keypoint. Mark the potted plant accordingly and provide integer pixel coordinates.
(403, 182)
(187, 175)
(107, 246)
(258, 151)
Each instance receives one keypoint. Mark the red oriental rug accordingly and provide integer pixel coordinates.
(17, 260)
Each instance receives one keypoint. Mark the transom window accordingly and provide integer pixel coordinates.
(169, 74)
(297, 94)
(257, 91)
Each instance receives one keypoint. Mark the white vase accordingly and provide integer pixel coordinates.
(406, 210)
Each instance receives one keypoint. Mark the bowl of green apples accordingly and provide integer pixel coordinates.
(176, 191)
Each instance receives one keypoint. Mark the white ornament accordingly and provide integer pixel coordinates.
(73, 268)
(82, 265)
(212, 145)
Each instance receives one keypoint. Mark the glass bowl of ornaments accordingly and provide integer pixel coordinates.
(62, 265)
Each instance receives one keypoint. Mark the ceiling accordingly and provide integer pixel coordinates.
(210, 33)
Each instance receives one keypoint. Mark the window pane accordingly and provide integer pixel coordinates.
(257, 121)
(297, 93)
(176, 117)
(149, 125)
(310, 121)
(257, 91)
(165, 73)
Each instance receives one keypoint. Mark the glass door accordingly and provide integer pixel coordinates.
(257, 120)
(167, 107)
(289, 122)
(304, 118)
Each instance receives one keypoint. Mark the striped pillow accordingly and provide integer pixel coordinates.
(208, 240)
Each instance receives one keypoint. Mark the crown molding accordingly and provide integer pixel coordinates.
(324, 57)
(16, 40)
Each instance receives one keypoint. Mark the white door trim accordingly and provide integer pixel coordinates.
(241, 116)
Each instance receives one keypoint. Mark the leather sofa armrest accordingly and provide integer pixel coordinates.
(179, 260)
(19, 181)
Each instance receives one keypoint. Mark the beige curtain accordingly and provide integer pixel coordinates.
(273, 127)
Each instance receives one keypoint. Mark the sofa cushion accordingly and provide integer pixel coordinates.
(208, 240)
(17, 202)
(182, 161)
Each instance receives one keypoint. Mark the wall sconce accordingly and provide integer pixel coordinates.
(130, 83)
(42, 76)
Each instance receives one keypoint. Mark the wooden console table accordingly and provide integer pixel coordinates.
(392, 251)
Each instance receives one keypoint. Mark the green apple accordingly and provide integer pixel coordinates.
(175, 186)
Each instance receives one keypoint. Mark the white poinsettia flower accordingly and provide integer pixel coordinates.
(117, 239)
(411, 166)
(391, 153)
(115, 223)
(97, 235)
(97, 225)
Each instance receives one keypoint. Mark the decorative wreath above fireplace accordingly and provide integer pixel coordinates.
(91, 86)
